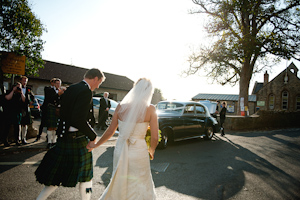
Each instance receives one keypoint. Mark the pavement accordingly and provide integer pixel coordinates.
(36, 145)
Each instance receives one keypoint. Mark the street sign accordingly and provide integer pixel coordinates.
(12, 63)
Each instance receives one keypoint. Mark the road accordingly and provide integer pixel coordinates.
(241, 165)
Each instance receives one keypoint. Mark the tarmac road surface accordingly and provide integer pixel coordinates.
(241, 165)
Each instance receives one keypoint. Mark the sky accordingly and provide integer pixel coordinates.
(133, 38)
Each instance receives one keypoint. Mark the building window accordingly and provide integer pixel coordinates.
(298, 102)
(285, 98)
(271, 101)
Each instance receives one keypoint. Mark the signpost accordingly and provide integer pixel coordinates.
(12, 63)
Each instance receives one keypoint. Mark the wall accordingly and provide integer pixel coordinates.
(264, 120)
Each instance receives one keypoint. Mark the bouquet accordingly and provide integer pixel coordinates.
(148, 137)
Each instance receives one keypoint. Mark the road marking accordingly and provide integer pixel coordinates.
(159, 167)
(21, 163)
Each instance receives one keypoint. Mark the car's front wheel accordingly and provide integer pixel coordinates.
(164, 140)
(209, 133)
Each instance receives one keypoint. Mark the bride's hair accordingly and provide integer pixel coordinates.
(134, 105)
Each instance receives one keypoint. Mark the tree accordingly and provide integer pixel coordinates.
(20, 32)
(157, 96)
(247, 36)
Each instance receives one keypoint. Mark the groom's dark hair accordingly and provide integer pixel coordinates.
(92, 73)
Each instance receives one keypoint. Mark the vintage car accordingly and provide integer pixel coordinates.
(180, 120)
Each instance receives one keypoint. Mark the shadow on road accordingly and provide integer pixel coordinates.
(217, 169)
(106, 161)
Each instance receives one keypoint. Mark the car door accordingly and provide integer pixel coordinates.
(201, 117)
(190, 121)
(170, 116)
(96, 105)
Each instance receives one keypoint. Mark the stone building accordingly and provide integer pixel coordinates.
(230, 99)
(281, 93)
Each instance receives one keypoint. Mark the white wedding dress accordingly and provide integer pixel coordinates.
(131, 178)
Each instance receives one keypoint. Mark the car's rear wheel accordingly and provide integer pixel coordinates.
(209, 133)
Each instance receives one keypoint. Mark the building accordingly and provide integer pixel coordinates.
(281, 93)
(118, 86)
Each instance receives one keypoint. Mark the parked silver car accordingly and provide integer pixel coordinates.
(96, 102)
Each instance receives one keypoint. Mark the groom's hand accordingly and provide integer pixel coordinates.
(91, 145)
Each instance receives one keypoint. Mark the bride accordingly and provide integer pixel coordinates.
(131, 177)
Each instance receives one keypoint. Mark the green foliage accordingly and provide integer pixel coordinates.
(245, 32)
(20, 32)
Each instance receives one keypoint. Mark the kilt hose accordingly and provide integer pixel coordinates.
(52, 119)
(66, 164)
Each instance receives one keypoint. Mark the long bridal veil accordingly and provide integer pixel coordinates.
(134, 105)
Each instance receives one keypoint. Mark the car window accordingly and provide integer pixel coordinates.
(189, 109)
(169, 107)
(42, 97)
(96, 102)
(113, 103)
(200, 109)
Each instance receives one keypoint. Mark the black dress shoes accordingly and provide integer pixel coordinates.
(6, 144)
(37, 138)
(24, 142)
(18, 144)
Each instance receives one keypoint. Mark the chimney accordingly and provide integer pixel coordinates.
(266, 78)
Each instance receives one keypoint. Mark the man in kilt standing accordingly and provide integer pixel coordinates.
(52, 96)
(26, 113)
(69, 161)
(44, 108)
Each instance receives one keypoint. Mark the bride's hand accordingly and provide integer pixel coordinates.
(151, 154)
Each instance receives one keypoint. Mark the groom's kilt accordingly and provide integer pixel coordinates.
(66, 164)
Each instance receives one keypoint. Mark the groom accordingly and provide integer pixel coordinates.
(69, 162)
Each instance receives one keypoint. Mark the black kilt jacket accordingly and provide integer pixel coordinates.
(52, 101)
(77, 110)
(26, 113)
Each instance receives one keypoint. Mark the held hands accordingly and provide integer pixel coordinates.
(91, 145)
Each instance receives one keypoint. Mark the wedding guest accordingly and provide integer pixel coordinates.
(12, 110)
(44, 109)
(26, 113)
(53, 104)
(103, 111)
(2, 117)
(222, 117)
(69, 162)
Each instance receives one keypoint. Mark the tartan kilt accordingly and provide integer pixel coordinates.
(26, 117)
(66, 164)
(52, 119)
